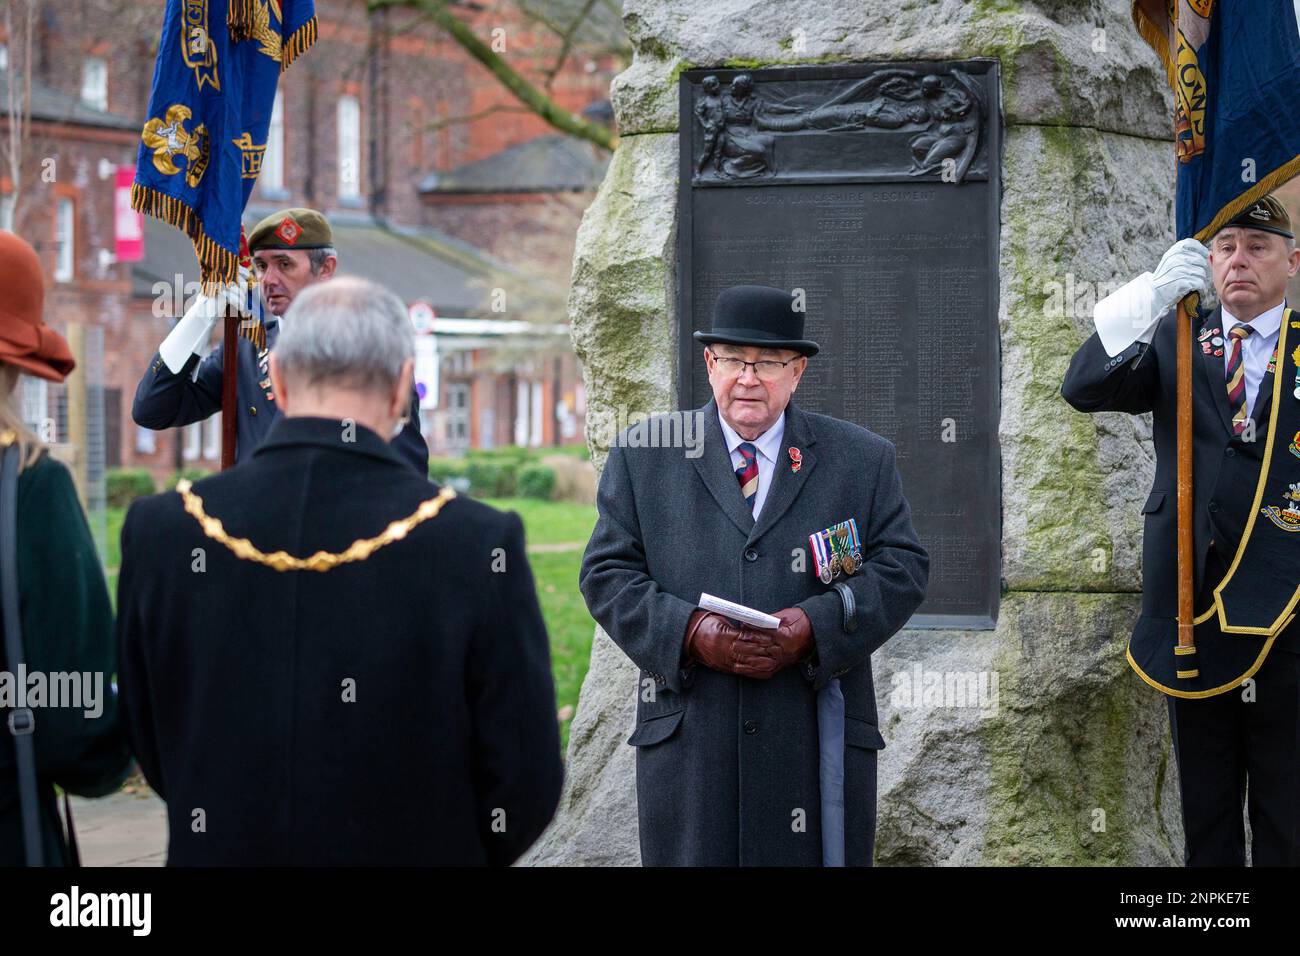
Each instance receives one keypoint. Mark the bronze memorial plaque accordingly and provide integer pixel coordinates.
(873, 188)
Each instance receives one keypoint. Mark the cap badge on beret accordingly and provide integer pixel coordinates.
(288, 230)
(1265, 214)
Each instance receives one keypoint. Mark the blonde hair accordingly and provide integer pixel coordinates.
(11, 421)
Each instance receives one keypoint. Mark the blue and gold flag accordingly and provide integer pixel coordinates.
(219, 62)
(1234, 68)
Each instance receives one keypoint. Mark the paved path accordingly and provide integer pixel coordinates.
(126, 829)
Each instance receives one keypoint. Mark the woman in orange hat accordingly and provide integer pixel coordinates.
(56, 596)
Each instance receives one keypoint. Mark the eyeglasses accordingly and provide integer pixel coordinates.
(768, 370)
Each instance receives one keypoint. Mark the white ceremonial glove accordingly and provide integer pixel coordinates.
(191, 334)
(1130, 313)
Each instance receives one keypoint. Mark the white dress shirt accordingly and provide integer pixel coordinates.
(830, 699)
(769, 449)
(1256, 349)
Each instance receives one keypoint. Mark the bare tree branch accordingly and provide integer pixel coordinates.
(522, 89)
(622, 51)
(434, 125)
(566, 44)
(18, 103)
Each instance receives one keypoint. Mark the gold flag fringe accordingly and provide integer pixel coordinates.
(239, 19)
(297, 43)
(1158, 39)
(217, 265)
(255, 331)
(1258, 191)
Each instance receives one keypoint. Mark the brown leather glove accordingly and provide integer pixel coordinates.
(715, 642)
(793, 640)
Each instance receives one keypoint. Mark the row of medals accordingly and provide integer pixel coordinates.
(842, 557)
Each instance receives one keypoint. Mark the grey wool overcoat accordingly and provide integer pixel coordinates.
(727, 766)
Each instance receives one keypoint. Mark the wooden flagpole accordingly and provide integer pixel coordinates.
(229, 393)
(1186, 550)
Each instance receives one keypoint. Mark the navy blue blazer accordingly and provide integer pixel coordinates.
(164, 400)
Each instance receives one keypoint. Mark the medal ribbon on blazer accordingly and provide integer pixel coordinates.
(1262, 586)
(836, 549)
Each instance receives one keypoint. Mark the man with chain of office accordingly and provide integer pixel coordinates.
(354, 670)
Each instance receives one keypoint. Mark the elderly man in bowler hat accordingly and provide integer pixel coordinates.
(755, 746)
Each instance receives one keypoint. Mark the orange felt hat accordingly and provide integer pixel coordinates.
(25, 340)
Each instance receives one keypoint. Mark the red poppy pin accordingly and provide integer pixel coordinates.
(796, 459)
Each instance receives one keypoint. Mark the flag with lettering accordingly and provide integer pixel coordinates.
(214, 83)
(1234, 67)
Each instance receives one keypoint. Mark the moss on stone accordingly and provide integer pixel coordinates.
(1054, 760)
(1054, 452)
(675, 72)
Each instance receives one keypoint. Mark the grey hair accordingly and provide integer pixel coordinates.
(316, 258)
(349, 332)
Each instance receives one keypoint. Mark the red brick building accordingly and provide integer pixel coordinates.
(366, 125)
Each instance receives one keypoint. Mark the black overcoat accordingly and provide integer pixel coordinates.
(394, 710)
(727, 766)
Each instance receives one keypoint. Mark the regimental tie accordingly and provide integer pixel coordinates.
(1237, 377)
(747, 474)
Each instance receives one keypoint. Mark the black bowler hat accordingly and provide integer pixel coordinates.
(757, 315)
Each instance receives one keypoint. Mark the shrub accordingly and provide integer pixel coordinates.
(192, 474)
(442, 470)
(491, 479)
(510, 454)
(124, 485)
(537, 481)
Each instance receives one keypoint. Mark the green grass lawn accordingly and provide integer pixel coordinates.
(551, 522)
(556, 573)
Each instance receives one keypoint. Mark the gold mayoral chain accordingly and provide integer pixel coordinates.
(358, 550)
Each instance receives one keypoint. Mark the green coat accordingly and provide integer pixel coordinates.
(67, 627)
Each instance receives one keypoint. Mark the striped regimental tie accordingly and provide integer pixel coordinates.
(1237, 377)
(747, 474)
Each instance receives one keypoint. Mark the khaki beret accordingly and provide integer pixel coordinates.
(291, 229)
(1266, 214)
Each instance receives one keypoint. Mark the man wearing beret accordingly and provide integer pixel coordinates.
(291, 250)
(1234, 694)
(754, 746)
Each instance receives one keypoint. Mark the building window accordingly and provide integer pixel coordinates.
(521, 413)
(273, 159)
(193, 441)
(458, 416)
(146, 440)
(34, 401)
(94, 82)
(349, 120)
(212, 438)
(537, 407)
(65, 240)
(4, 57)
